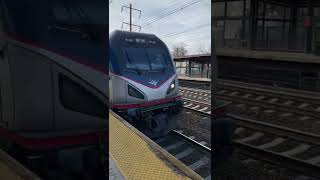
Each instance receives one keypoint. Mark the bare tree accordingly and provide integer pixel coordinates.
(203, 50)
(179, 50)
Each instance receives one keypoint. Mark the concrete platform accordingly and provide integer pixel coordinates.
(194, 79)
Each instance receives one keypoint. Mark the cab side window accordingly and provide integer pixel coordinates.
(76, 98)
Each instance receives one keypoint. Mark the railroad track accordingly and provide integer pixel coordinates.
(197, 106)
(202, 96)
(295, 109)
(190, 152)
(276, 144)
(267, 106)
(296, 150)
(298, 101)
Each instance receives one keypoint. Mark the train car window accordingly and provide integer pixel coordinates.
(75, 97)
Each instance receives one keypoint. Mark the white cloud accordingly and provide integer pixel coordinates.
(188, 18)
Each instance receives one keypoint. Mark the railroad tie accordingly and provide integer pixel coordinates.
(179, 131)
(249, 160)
(222, 91)
(269, 111)
(238, 130)
(205, 118)
(302, 177)
(239, 107)
(184, 153)
(303, 118)
(318, 109)
(273, 143)
(303, 105)
(254, 108)
(286, 114)
(195, 107)
(188, 105)
(314, 160)
(273, 100)
(233, 93)
(246, 95)
(288, 103)
(203, 142)
(204, 160)
(252, 137)
(259, 98)
(203, 109)
(297, 150)
(173, 146)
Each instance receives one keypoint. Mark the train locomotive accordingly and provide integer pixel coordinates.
(53, 83)
(143, 83)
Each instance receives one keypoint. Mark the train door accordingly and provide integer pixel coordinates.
(6, 97)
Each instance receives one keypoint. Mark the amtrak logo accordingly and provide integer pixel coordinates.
(153, 82)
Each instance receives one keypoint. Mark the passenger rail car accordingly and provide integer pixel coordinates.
(143, 82)
(53, 80)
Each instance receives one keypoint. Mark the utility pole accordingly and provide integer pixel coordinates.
(130, 17)
(130, 21)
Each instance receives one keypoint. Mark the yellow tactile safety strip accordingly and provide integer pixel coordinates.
(133, 156)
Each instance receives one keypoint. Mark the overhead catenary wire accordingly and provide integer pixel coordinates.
(191, 39)
(148, 18)
(187, 30)
(171, 12)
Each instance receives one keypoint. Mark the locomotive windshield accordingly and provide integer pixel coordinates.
(146, 59)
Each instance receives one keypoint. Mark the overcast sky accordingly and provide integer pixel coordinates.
(188, 19)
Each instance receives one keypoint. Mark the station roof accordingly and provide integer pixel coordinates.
(195, 57)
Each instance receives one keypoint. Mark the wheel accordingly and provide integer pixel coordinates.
(160, 125)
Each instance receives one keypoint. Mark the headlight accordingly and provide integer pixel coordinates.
(134, 92)
(171, 87)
